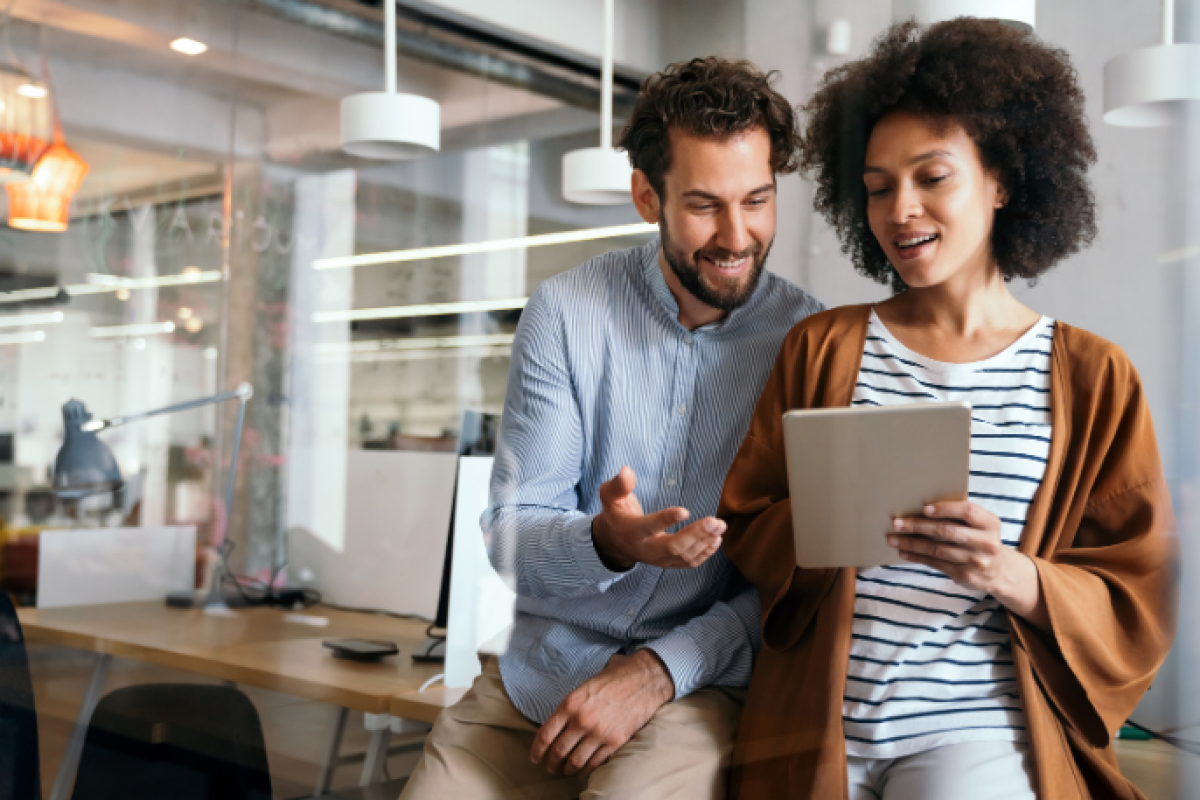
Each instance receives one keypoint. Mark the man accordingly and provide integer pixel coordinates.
(633, 379)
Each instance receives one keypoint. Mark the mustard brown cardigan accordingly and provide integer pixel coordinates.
(1100, 530)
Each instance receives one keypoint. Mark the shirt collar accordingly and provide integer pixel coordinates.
(658, 285)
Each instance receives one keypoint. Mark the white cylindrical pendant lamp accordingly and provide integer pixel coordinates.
(1150, 87)
(596, 176)
(1019, 14)
(387, 125)
(390, 126)
(600, 175)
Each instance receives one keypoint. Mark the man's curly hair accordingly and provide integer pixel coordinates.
(1017, 99)
(708, 98)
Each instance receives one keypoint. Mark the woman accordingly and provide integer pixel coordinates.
(1028, 621)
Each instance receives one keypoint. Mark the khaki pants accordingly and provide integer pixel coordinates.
(480, 746)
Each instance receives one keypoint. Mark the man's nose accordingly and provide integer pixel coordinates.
(732, 233)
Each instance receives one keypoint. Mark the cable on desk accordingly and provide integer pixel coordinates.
(441, 676)
(377, 611)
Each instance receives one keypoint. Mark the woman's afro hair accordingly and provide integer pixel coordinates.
(1017, 99)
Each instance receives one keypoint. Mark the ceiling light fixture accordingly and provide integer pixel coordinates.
(99, 284)
(189, 47)
(387, 125)
(1019, 14)
(600, 176)
(25, 337)
(31, 319)
(143, 329)
(422, 310)
(43, 203)
(1151, 87)
(471, 248)
(415, 343)
(25, 122)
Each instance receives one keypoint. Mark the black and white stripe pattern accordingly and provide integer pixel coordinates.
(931, 661)
(602, 376)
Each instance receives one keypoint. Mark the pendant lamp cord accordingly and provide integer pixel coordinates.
(389, 46)
(6, 25)
(1168, 22)
(606, 75)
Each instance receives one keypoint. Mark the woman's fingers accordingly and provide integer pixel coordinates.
(933, 548)
(948, 531)
(971, 514)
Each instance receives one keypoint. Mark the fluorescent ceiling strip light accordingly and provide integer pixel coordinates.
(99, 284)
(413, 355)
(424, 310)
(25, 337)
(31, 319)
(144, 329)
(424, 343)
(443, 251)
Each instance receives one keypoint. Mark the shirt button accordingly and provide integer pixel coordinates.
(682, 410)
(670, 481)
(689, 340)
(631, 612)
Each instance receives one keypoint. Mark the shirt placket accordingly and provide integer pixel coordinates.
(683, 396)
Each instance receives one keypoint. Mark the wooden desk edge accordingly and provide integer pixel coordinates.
(424, 706)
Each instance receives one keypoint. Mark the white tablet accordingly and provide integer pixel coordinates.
(852, 470)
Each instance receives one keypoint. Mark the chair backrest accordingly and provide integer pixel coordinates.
(19, 760)
(174, 742)
(481, 603)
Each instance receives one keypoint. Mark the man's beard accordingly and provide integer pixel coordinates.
(727, 295)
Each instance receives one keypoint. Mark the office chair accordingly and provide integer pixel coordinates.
(19, 759)
(174, 742)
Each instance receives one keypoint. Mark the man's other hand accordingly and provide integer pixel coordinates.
(599, 717)
(625, 535)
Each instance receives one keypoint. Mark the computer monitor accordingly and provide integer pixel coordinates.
(477, 437)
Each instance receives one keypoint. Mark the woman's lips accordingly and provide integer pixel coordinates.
(916, 250)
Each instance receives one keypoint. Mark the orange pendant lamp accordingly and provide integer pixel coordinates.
(43, 202)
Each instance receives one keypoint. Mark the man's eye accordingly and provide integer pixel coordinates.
(937, 179)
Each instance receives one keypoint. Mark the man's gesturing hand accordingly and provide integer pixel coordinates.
(599, 717)
(625, 535)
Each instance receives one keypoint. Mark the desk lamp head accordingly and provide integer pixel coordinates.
(84, 466)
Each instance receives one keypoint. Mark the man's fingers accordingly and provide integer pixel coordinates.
(581, 756)
(560, 750)
(599, 759)
(659, 521)
(546, 736)
(619, 487)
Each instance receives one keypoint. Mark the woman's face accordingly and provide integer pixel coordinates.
(930, 201)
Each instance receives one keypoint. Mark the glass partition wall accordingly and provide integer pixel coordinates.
(220, 235)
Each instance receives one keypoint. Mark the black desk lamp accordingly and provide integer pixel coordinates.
(85, 466)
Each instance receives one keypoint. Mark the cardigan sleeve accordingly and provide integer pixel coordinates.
(758, 512)
(1111, 589)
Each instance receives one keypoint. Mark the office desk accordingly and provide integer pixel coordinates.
(257, 647)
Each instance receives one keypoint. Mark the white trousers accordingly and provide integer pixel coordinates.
(975, 770)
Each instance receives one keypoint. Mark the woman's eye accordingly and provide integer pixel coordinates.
(877, 193)
(937, 179)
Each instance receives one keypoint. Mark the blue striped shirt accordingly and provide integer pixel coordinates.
(603, 375)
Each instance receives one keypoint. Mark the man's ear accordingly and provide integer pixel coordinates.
(645, 199)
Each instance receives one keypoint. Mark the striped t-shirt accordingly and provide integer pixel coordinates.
(931, 661)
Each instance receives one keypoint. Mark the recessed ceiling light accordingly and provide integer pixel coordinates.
(188, 46)
(32, 90)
